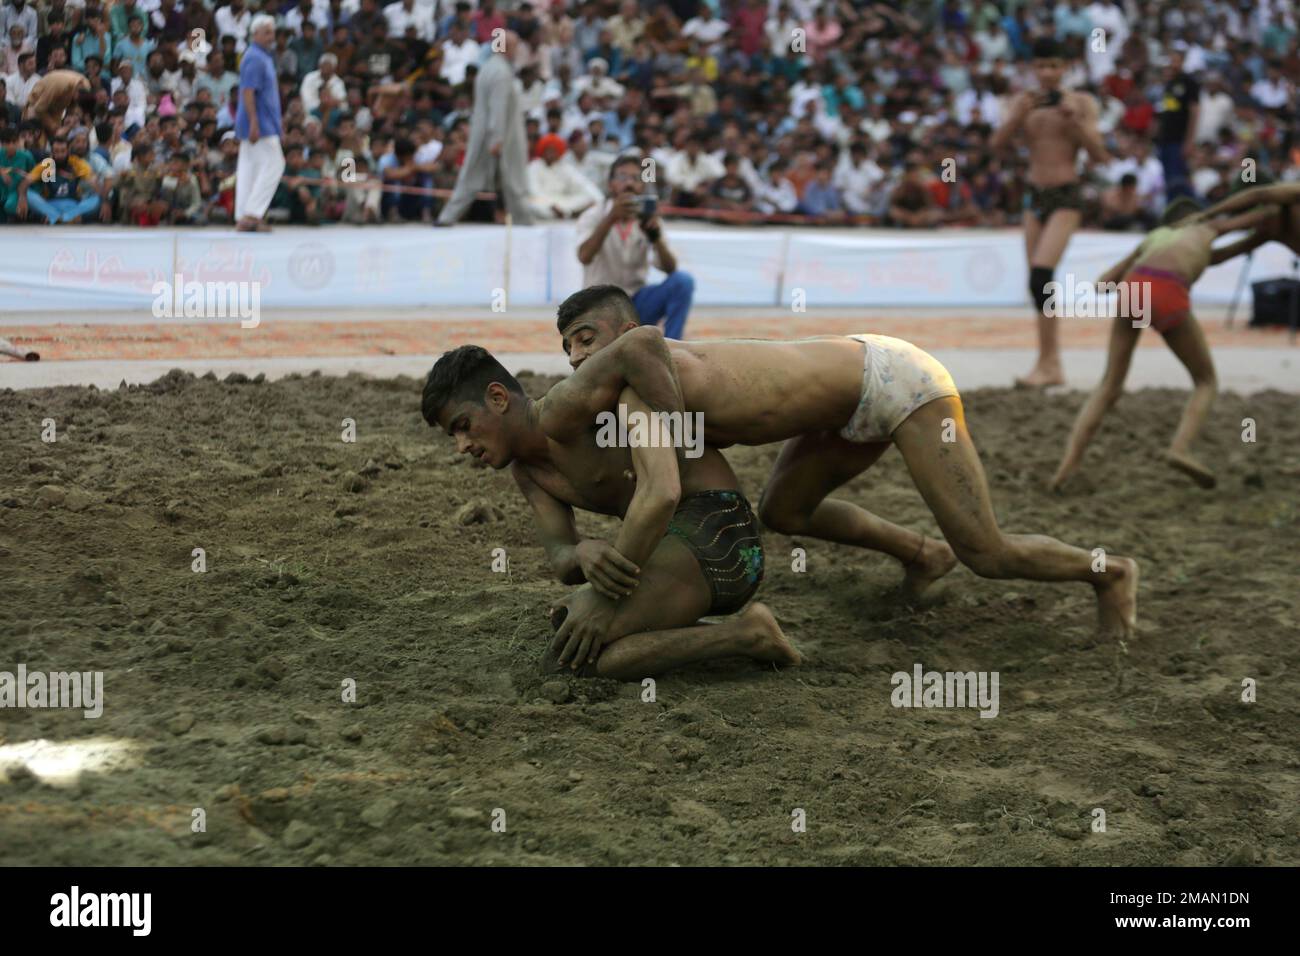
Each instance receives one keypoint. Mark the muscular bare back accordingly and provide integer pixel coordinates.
(752, 392)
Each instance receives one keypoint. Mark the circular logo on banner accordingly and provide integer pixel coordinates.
(311, 266)
(984, 270)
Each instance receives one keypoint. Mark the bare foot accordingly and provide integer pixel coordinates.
(1191, 467)
(935, 560)
(1042, 376)
(768, 642)
(1117, 597)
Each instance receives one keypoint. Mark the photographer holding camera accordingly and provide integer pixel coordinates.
(615, 239)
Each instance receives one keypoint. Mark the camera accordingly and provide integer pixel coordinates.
(649, 205)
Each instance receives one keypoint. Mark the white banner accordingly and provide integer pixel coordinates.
(83, 271)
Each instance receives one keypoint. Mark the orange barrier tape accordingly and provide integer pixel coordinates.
(378, 184)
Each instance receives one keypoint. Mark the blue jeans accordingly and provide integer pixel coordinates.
(62, 210)
(1177, 179)
(408, 206)
(670, 301)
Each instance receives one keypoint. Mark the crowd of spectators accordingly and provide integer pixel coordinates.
(838, 110)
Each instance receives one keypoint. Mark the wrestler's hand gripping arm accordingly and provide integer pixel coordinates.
(574, 560)
(658, 487)
(586, 628)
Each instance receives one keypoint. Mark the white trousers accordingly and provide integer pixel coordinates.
(257, 175)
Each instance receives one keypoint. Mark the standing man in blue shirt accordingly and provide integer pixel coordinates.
(257, 124)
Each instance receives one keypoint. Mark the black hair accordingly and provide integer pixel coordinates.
(8, 134)
(1128, 179)
(627, 159)
(460, 375)
(592, 298)
(1046, 48)
(1180, 208)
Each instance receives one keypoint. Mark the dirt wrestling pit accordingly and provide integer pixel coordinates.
(340, 676)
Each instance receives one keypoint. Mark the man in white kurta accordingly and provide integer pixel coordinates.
(557, 189)
(324, 77)
(496, 157)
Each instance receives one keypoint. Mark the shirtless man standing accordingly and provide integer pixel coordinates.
(1056, 124)
(688, 547)
(842, 401)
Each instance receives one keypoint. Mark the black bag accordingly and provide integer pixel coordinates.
(1276, 302)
